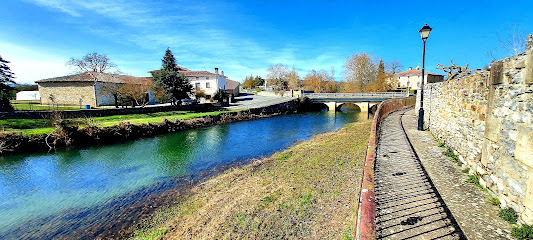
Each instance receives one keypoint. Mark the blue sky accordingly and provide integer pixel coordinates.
(246, 37)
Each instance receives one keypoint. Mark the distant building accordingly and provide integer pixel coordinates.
(233, 87)
(28, 95)
(95, 89)
(206, 81)
(412, 79)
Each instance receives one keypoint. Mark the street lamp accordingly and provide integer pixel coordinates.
(424, 34)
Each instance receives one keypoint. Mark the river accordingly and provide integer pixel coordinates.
(68, 192)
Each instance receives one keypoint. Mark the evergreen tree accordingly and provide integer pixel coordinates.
(381, 79)
(6, 78)
(169, 62)
(175, 84)
(259, 81)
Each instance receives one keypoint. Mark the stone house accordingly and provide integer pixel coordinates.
(94, 89)
(233, 87)
(412, 79)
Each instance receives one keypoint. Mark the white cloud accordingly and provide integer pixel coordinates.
(192, 31)
(30, 65)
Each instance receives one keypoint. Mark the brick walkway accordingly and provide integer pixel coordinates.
(408, 206)
(420, 194)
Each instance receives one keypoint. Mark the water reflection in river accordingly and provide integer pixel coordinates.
(57, 194)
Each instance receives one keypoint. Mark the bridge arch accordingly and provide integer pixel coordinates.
(348, 107)
(319, 106)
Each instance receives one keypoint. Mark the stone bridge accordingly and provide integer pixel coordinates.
(365, 101)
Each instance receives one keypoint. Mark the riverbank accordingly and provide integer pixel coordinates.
(310, 190)
(64, 135)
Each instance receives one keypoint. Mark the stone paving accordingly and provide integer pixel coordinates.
(469, 205)
(407, 204)
(422, 194)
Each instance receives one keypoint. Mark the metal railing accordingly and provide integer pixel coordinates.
(357, 95)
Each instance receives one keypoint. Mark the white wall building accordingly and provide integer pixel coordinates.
(207, 81)
(412, 79)
(28, 95)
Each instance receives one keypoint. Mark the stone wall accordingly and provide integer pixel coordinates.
(486, 118)
(68, 93)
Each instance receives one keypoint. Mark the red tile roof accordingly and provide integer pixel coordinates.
(197, 73)
(414, 72)
(100, 77)
(230, 84)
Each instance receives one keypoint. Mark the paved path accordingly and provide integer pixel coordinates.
(256, 101)
(407, 204)
(415, 203)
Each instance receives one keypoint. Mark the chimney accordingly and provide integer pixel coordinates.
(216, 70)
(410, 68)
(417, 67)
(222, 73)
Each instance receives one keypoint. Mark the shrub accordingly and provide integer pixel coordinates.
(524, 232)
(509, 215)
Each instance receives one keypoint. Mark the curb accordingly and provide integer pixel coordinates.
(365, 226)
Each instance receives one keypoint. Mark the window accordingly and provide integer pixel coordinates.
(197, 78)
(206, 78)
(207, 85)
(197, 85)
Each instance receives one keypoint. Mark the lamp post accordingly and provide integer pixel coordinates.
(424, 34)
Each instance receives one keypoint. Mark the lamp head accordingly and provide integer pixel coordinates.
(424, 32)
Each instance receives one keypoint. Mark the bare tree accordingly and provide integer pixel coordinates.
(392, 68)
(511, 44)
(454, 70)
(319, 81)
(293, 79)
(278, 75)
(92, 62)
(359, 71)
(136, 90)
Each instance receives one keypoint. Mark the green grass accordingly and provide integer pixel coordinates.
(523, 232)
(293, 194)
(494, 201)
(509, 215)
(35, 105)
(466, 170)
(45, 126)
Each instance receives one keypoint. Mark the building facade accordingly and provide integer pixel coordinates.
(205, 81)
(94, 89)
(411, 79)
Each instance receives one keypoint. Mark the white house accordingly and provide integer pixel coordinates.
(412, 79)
(28, 95)
(206, 81)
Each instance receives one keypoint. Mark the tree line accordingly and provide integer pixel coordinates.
(362, 73)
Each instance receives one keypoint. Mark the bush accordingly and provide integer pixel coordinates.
(524, 232)
(509, 215)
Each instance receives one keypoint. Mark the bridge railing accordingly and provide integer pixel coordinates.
(357, 95)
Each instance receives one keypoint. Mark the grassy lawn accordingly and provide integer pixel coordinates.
(309, 191)
(36, 105)
(44, 126)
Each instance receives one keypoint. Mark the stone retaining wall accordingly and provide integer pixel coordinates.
(486, 118)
